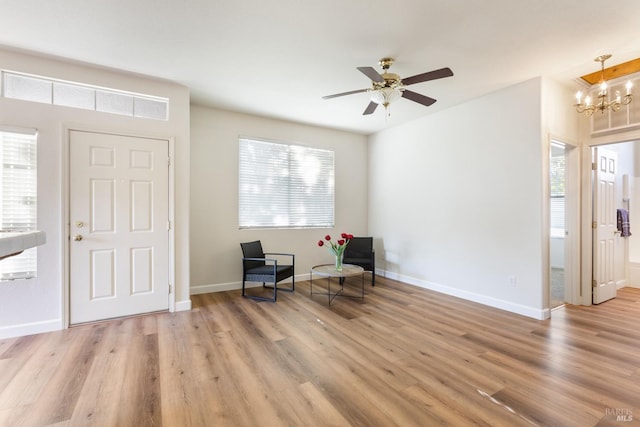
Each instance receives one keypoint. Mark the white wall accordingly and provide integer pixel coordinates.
(30, 306)
(215, 237)
(455, 200)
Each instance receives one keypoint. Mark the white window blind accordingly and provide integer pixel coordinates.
(18, 193)
(286, 186)
(558, 167)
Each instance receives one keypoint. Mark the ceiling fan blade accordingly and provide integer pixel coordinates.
(370, 108)
(431, 75)
(344, 93)
(416, 97)
(371, 73)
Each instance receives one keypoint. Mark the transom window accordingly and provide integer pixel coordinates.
(47, 90)
(285, 186)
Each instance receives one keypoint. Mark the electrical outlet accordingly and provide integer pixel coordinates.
(512, 281)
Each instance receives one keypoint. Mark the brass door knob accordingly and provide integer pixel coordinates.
(77, 237)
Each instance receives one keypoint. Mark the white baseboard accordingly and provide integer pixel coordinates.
(183, 305)
(232, 286)
(30, 328)
(539, 314)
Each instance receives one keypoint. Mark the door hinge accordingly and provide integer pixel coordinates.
(593, 166)
(594, 283)
(170, 289)
(594, 225)
(168, 225)
(168, 161)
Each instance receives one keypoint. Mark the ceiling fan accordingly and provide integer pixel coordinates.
(387, 87)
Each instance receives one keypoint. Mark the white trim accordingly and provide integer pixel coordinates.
(219, 287)
(232, 286)
(183, 305)
(536, 313)
(20, 130)
(469, 296)
(30, 328)
(172, 229)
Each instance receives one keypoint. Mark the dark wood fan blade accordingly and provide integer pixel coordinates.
(416, 97)
(431, 75)
(344, 93)
(370, 108)
(371, 73)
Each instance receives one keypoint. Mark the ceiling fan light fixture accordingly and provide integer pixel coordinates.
(385, 95)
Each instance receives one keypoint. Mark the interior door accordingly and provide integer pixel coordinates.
(119, 213)
(604, 218)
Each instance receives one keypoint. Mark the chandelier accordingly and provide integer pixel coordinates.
(602, 102)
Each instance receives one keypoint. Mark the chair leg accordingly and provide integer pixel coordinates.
(373, 271)
(259, 298)
(275, 291)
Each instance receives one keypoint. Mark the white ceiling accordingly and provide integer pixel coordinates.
(278, 58)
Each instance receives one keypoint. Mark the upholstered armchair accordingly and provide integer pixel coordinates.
(256, 267)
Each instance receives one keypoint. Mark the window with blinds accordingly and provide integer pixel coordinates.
(557, 169)
(285, 186)
(18, 197)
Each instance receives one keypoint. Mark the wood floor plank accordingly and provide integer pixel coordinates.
(101, 395)
(403, 356)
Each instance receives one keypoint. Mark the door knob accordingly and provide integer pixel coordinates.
(77, 237)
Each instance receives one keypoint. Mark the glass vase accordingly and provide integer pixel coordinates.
(339, 262)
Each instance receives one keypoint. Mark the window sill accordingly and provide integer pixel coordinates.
(14, 242)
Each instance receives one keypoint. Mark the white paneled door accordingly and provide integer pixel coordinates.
(119, 238)
(605, 224)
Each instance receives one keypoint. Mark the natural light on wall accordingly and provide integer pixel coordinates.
(18, 197)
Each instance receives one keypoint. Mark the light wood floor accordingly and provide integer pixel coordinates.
(403, 357)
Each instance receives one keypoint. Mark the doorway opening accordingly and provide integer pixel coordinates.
(614, 248)
(557, 232)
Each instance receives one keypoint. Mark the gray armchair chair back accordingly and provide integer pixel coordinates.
(360, 252)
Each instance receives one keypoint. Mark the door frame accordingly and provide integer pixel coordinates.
(587, 202)
(572, 221)
(66, 220)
